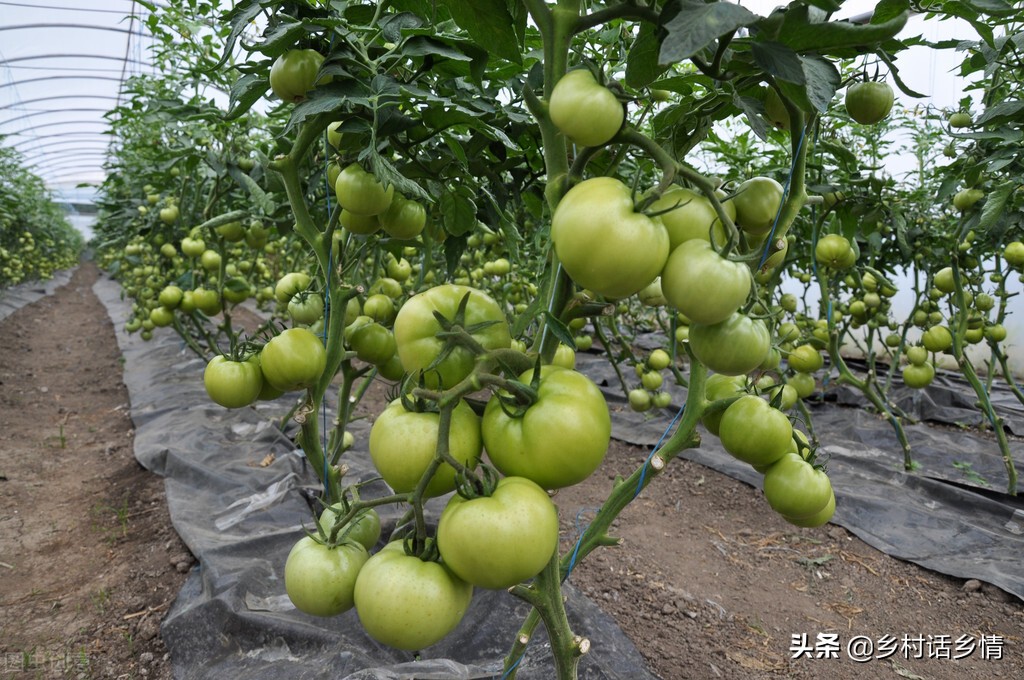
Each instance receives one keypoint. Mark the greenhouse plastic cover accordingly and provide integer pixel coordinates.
(240, 520)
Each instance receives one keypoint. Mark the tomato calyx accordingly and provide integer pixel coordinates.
(516, 397)
(470, 486)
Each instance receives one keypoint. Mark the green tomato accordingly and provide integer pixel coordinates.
(937, 339)
(960, 120)
(364, 529)
(161, 316)
(306, 307)
(499, 540)
(965, 199)
(735, 346)
(294, 74)
(917, 376)
(795, 489)
(640, 400)
(757, 202)
(719, 386)
(817, 519)
(868, 102)
(406, 603)
(585, 111)
(293, 360)
(210, 260)
(403, 444)
(560, 439)
(1014, 253)
(803, 383)
(373, 343)
(321, 580)
(995, 332)
(416, 332)
(702, 284)
(379, 307)
(404, 219)
(834, 251)
(916, 354)
(603, 244)
(805, 359)
(290, 284)
(754, 432)
(651, 381)
(362, 194)
(690, 215)
(944, 280)
(659, 360)
(233, 384)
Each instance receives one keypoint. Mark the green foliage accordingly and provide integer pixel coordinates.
(36, 239)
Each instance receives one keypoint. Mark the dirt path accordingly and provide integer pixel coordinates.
(89, 559)
(708, 582)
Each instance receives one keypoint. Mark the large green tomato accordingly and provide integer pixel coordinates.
(694, 218)
(754, 432)
(403, 444)
(233, 384)
(869, 102)
(320, 580)
(502, 539)
(603, 243)
(735, 346)
(406, 603)
(702, 284)
(362, 194)
(294, 74)
(416, 332)
(795, 489)
(585, 111)
(757, 203)
(560, 439)
(294, 359)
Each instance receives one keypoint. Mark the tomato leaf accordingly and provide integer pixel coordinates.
(642, 66)
(459, 210)
(822, 79)
(889, 9)
(489, 23)
(240, 17)
(278, 39)
(995, 202)
(383, 170)
(801, 31)
(697, 25)
(245, 92)
(1001, 113)
(780, 61)
(559, 329)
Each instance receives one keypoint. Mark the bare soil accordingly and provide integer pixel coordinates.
(89, 562)
(708, 582)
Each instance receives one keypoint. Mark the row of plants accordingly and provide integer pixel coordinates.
(36, 239)
(457, 200)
